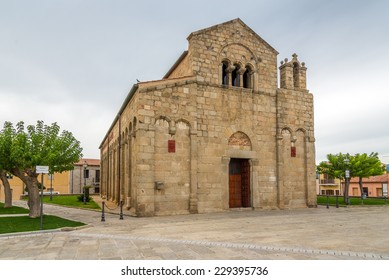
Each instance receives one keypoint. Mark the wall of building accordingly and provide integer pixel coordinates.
(201, 115)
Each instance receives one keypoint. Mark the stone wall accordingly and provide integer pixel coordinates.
(168, 151)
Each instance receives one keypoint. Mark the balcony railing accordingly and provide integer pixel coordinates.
(327, 182)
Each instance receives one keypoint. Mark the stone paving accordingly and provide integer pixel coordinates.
(303, 234)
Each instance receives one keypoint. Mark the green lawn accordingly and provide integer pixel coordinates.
(12, 210)
(25, 223)
(70, 201)
(353, 201)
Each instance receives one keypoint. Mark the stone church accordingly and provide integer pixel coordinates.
(215, 133)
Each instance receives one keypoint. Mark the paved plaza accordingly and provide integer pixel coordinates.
(303, 234)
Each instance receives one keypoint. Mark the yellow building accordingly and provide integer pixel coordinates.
(86, 171)
(329, 185)
(59, 182)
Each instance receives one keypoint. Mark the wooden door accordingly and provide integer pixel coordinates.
(239, 183)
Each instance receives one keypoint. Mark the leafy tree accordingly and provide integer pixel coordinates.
(360, 165)
(365, 166)
(336, 166)
(5, 152)
(39, 145)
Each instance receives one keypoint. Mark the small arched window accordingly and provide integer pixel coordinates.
(247, 77)
(224, 73)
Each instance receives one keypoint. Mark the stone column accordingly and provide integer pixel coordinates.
(229, 74)
(193, 172)
(254, 188)
(280, 173)
(129, 169)
(226, 180)
(310, 171)
(145, 170)
(240, 73)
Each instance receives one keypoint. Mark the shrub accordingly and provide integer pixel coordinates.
(87, 196)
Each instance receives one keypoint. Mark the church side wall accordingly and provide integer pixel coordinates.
(295, 123)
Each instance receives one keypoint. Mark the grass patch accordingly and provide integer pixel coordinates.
(353, 201)
(25, 223)
(12, 210)
(70, 201)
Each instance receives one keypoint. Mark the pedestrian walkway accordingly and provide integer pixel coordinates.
(302, 234)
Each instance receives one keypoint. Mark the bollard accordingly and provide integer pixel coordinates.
(121, 210)
(102, 213)
(337, 202)
(327, 203)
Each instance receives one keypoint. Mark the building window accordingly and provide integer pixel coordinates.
(86, 173)
(247, 82)
(97, 178)
(224, 73)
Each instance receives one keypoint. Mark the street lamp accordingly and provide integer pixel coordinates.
(347, 176)
(85, 165)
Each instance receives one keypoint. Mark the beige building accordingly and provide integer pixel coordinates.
(215, 133)
(86, 172)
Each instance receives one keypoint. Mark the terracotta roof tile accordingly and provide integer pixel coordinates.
(89, 161)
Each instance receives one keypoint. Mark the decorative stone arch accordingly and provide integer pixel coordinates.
(222, 53)
(240, 140)
(161, 117)
(232, 75)
(184, 121)
(171, 124)
(286, 128)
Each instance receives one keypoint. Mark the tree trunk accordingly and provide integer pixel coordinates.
(34, 202)
(31, 181)
(7, 189)
(361, 186)
(346, 187)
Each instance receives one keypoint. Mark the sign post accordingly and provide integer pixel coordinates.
(42, 170)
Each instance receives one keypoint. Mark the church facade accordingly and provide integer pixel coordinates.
(216, 133)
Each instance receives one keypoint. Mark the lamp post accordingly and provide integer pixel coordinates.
(347, 176)
(85, 165)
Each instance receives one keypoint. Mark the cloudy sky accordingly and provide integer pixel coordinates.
(74, 61)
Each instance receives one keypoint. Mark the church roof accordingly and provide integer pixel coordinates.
(182, 56)
(234, 21)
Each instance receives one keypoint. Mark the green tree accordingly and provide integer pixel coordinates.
(39, 145)
(336, 166)
(360, 165)
(6, 136)
(365, 166)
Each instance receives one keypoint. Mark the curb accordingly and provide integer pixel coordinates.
(40, 232)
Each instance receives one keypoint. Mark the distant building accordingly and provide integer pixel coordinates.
(375, 186)
(329, 185)
(86, 172)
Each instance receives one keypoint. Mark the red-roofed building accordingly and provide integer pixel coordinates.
(375, 186)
